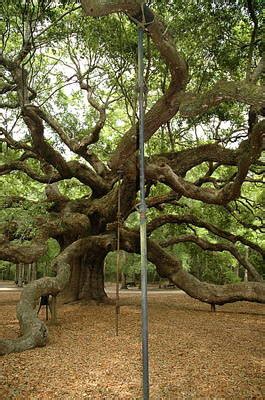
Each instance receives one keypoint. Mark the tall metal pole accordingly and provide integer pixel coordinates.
(118, 260)
(143, 241)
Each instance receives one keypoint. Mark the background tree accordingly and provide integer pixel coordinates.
(70, 123)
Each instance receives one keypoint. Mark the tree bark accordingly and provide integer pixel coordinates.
(92, 277)
(86, 279)
(29, 273)
(71, 291)
(123, 281)
(34, 332)
(170, 267)
(19, 283)
(17, 273)
(33, 271)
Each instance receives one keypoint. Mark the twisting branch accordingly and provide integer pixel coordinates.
(41, 146)
(228, 192)
(192, 105)
(74, 145)
(66, 169)
(93, 135)
(13, 143)
(182, 161)
(23, 167)
(192, 219)
(170, 267)
(206, 245)
(167, 106)
(34, 332)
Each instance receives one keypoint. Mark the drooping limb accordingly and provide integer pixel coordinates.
(34, 332)
(170, 267)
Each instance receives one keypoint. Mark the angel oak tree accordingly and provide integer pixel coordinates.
(51, 133)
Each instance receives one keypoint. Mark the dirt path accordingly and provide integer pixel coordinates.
(194, 354)
(9, 286)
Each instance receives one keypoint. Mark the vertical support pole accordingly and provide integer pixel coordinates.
(143, 241)
(118, 260)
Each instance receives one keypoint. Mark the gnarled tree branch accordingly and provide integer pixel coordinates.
(34, 332)
(167, 106)
(193, 220)
(247, 93)
(170, 267)
(206, 245)
(228, 192)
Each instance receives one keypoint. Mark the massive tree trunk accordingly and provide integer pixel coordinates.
(80, 264)
(92, 277)
(71, 291)
(86, 279)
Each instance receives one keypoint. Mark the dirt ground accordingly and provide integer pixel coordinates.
(194, 354)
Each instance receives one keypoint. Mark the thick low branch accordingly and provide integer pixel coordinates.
(65, 224)
(27, 252)
(170, 267)
(34, 332)
(218, 294)
(206, 245)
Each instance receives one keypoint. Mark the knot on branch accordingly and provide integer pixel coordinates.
(143, 17)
